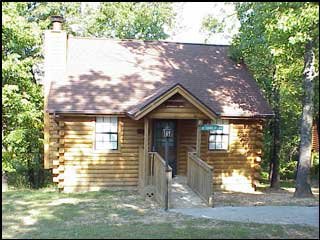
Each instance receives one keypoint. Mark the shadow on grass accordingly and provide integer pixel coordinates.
(36, 214)
(29, 213)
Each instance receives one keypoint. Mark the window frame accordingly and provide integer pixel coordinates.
(223, 123)
(109, 133)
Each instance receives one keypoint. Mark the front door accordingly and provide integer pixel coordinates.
(159, 142)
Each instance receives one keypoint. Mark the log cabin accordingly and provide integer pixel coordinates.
(107, 103)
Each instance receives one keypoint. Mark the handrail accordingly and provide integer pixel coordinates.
(159, 176)
(200, 162)
(160, 159)
(191, 149)
(199, 177)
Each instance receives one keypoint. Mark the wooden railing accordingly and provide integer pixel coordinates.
(199, 177)
(158, 178)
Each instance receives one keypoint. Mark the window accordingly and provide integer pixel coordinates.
(106, 133)
(219, 139)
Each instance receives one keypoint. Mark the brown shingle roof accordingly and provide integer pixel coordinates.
(109, 76)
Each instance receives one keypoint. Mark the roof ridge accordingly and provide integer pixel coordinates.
(139, 40)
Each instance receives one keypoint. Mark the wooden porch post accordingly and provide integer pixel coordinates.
(146, 150)
(198, 144)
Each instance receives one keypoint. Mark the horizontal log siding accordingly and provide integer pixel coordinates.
(186, 137)
(238, 168)
(185, 111)
(86, 169)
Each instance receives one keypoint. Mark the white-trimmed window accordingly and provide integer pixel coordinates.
(219, 139)
(106, 137)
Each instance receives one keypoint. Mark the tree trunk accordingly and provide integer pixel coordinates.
(303, 188)
(275, 156)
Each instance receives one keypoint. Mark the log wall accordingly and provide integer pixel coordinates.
(236, 169)
(78, 167)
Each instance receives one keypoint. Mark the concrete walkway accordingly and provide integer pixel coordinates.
(183, 196)
(258, 214)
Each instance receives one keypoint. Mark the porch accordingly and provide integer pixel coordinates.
(190, 179)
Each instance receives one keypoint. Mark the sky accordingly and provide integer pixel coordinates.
(190, 16)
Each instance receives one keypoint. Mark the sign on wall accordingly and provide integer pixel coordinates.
(211, 127)
(167, 132)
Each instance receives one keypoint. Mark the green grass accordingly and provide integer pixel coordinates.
(264, 183)
(118, 214)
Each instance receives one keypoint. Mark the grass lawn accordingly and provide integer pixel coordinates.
(118, 214)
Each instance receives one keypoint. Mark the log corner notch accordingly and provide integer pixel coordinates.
(61, 155)
(58, 162)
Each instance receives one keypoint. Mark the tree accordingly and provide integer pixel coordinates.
(311, 38)
(131, 20)
(303, 188)
(21, 96)
(252, 43)
(224, 22)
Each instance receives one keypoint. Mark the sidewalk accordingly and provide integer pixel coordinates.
(258, 214)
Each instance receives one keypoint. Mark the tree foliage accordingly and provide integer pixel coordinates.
(271, 42)
(22, 35)
(131, 20)
(21, 97)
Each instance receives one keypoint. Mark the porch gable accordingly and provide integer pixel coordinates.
(192, 104)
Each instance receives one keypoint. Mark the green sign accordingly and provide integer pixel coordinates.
(211, 127)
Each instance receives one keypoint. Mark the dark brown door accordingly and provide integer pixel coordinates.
(159, 142)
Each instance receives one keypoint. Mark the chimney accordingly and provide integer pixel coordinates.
(55, 60)
(56, 23)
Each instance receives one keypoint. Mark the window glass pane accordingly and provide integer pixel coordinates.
(218, 145)
(105, 138)
(113, 124)
(107, 145)
(218, 138)
(114, 145)
(99, 127)
(211, 146)
(212, 138)
(113, 137)
(99, 137)
(106, 126)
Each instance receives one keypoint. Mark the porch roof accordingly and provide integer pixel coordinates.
(107, 77)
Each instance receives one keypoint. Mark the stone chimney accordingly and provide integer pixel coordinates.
(55, 60)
